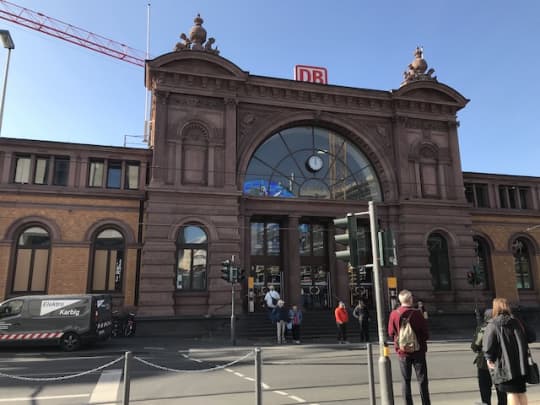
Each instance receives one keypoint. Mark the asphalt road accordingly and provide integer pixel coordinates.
(209, 374)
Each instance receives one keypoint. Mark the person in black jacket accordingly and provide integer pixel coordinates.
(505, 349)
(361, 313)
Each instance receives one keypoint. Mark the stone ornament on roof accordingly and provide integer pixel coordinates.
(197, 39)
(417, 70)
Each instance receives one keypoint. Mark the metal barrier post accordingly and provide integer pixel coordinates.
(258, 376)
(126, 378)
(371, 379)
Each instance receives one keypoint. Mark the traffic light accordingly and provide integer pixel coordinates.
(475, 277)
(240, 275)
(226, 271)
(348, 238)
(387, 248)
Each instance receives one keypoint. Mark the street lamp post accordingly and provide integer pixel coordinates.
(7, 41)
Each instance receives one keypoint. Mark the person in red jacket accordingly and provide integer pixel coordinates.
(415, 359)
(342, 318)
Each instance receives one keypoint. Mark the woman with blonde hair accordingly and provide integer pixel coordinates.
(505, 348)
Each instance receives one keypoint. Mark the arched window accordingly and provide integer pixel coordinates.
(310, 162)
(108, 261)
(481, 248)
(522, 264)
(192, 251)
(439, 263)
(32, 261)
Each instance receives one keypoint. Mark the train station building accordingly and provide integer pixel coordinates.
(257, 168)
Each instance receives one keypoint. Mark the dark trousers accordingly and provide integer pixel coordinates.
(364, 331)
(420, 367)
(296, 332)
(484, 383)
(341, 331)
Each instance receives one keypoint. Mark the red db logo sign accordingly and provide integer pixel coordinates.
(311, 74)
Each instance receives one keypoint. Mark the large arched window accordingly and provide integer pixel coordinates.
(32, 261)
(481, 249)
(522, 264)
(192, 251)
(439, 263)
(108, 261)
(310, 162)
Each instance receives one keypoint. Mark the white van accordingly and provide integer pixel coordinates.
(67, 320)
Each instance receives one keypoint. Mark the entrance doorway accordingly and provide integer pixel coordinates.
(263, 277)
(315, 282)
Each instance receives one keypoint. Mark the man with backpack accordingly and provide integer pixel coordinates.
(408, 328)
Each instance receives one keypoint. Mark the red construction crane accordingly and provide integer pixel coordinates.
(78, 36)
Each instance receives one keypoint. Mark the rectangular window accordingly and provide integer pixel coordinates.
(469, 193)
(477, 194)
(503, 197)
(514, 197)
(132, 176)
(114, 174)
(96, 174)
(41, 170)
(61, 171)
(523, 198)
(22, 169)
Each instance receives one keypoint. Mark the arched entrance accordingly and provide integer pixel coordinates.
(295, 183)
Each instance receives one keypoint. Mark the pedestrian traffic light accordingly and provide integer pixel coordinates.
(348, 238)
(240, 275)
(226, 271)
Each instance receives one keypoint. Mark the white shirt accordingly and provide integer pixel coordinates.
(268, 298)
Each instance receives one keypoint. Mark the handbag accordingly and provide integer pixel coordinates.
(532, 377)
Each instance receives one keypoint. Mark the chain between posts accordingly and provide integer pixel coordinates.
(64, 377)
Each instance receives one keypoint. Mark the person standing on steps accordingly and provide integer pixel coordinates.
(361, 313)
(295, 318)
(281, 317)
(342, 318)
(271, 299)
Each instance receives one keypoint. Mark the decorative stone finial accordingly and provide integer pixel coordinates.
(417, 69)
(197, 39)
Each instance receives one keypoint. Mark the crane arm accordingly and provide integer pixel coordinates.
(70, 33)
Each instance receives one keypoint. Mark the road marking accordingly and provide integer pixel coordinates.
(106, 389)
(43, 398)
(297, 399)
(239, 375)
(265, 386)
(229, 370)
(249, 378)
(153, 348)
(281, 393)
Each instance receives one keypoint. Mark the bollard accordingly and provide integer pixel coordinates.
(258, 376)
(371, 379)
(126, 378)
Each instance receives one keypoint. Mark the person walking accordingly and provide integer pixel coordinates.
(342, 318)
(295, 318)
(271, 299)
(281, 316)
(484, 377)
(361, 313)
(506, 350)
(416, 359)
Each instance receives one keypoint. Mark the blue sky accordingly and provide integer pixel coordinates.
(488, 51)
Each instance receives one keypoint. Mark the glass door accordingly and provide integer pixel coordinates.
(315, 282)
(265, 276)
